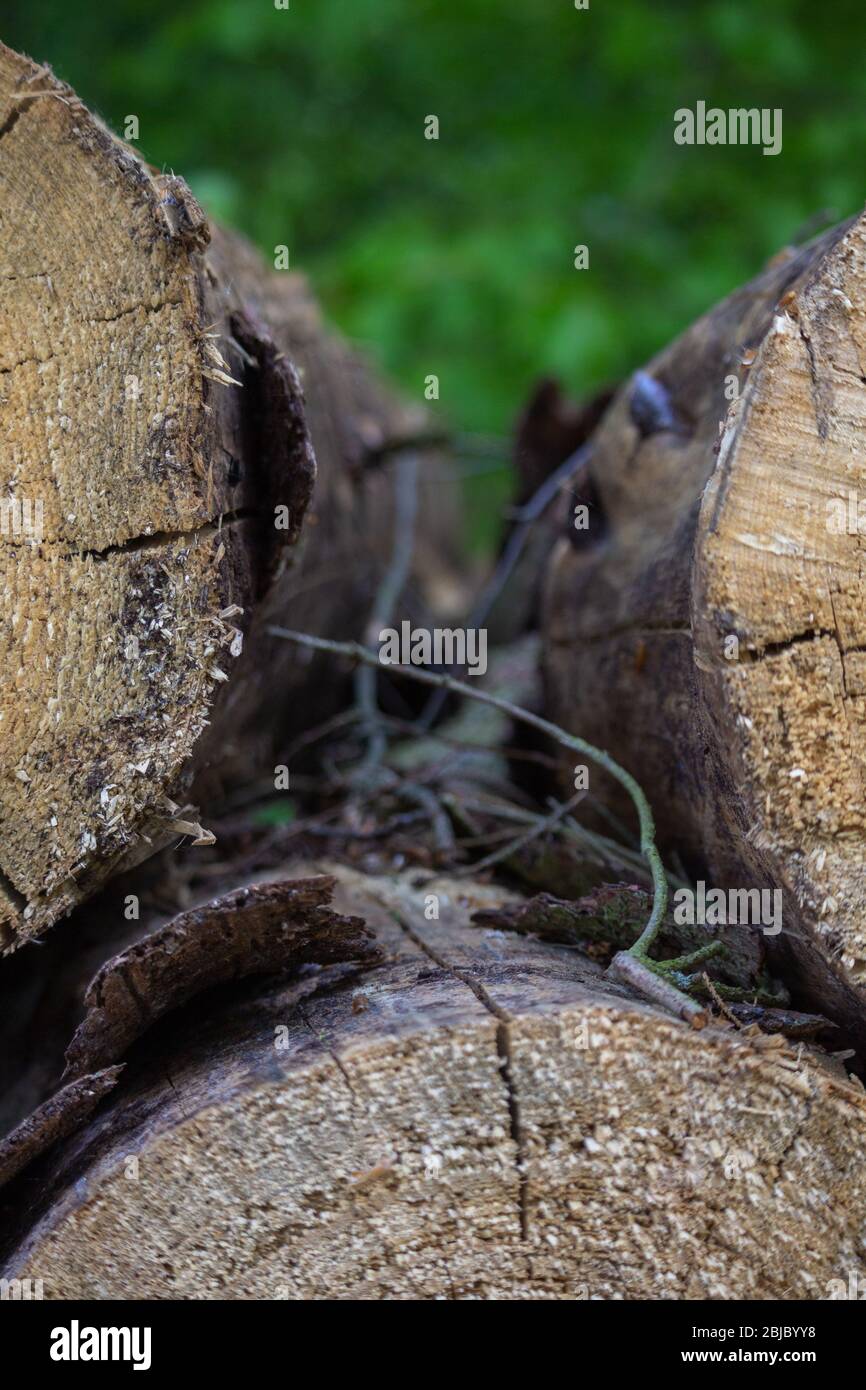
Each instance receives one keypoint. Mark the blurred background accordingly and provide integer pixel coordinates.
(305, 127)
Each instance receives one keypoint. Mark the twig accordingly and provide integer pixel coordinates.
(321, 731)
(626, 838)
(511, 755)
(612, 851)
(443, 835)
(655, 987)
(614, 854)
(510, 555)
(552, 484)
(390, 589)
(481, 444)
(490, 837)
(379, 832)
(541, 826)
(719, 1001)
(578, 745)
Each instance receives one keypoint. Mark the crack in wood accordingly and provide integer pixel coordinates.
(800, 639)
(163, 538)
(335, 1058)
(503, 1053)
(15, 115)
(818, 405)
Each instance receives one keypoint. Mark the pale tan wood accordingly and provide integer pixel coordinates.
(713, 640)
(151, 403)
(480, 1116)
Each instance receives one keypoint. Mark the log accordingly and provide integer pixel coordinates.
(161, 396)
(477, 1114)
(713, 638)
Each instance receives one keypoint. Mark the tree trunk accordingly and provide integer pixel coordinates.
(713, 636)
(152, 406)
(477, 1114)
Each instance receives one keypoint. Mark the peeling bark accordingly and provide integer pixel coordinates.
(261, 930)
(58, 1117)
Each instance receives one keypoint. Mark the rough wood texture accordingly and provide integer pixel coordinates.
(151, 420)
(481, 1115)
(751, 750)
(252, 931)
(60, 1115)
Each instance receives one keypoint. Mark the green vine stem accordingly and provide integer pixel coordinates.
(356, 652)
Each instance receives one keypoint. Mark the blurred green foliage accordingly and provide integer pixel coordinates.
(305, 126)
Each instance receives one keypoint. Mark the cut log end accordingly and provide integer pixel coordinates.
(160, 470)
(715, 642)
(779, 567)
(131, 546)
(481, 1115)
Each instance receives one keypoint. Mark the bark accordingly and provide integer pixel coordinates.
(162, 394)
(713, 639)
(550, 430)
(479, 1114)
